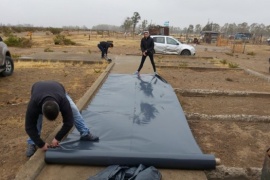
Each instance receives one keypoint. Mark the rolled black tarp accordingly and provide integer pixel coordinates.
(139, 121)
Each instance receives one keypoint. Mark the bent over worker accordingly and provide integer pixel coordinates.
(104, 46)
(147, 48)
(48, 98)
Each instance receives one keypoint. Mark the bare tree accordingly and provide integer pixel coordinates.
(198, 28)
(127, 24)
(215, 27)
(190, 28)
(135, 19)
(207, 27)
(144, 24)
(243, 27)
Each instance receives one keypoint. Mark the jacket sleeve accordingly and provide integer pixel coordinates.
(68, 119)
(32, 114)
(151, 45)
(142, 46)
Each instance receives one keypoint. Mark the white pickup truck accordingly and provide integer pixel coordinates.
(6, 62)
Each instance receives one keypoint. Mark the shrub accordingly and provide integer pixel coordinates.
(7, 31)
(182, 65)
(233, 65)
(229, 54)
(55, 30)
(251, 53)
(48, 50)
(228, 79)
(15, 41)
(62, 40)
(223, 61)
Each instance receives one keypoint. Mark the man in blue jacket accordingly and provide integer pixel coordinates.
(147, 48)
(48, 98)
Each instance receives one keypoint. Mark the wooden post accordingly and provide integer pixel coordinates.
(233, 46)
(269, 65)
(244, 48)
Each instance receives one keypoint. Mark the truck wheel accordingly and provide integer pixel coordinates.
(9, 67)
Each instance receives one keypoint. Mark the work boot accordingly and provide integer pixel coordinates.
(31, 149)
(89, 137)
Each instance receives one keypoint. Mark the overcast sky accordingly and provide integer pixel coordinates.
(180, 13)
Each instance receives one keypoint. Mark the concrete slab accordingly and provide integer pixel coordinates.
(130, 64)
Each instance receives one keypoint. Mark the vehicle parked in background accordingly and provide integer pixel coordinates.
(6, 62)
(268, 41)
(170, 45)
(243, 36)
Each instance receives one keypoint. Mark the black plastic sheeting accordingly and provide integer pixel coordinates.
(116, 172)
(139, 121)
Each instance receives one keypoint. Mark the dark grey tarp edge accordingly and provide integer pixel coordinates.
(139, 121)
(171, 161)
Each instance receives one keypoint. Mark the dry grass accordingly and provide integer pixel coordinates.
(123, 45)
(233, 65)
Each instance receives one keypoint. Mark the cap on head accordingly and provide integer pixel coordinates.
(50, 110)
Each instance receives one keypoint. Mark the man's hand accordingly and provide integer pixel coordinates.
(144, 53)
(45, 147)
(55, 143)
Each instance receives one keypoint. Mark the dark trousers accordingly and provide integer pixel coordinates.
(151, 56)
(102, 50)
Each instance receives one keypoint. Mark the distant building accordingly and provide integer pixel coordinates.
(159, 30)
(209, 36)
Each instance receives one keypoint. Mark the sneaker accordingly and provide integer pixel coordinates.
(155, 73)
(31, 149)
(89, 137)
(137, 73)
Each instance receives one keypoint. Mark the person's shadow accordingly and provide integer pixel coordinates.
(146, 114)
(147, 87)
(147, 111)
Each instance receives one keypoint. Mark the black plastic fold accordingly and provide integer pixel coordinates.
(139, 121)
(116, 172)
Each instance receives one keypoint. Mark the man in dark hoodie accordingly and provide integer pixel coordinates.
(147, 48)
(104, 46)
(48, 98)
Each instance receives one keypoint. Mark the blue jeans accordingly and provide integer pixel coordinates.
(78, 121)
(102, 50)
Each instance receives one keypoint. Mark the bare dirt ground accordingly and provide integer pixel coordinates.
(238, 144)
(14, 96)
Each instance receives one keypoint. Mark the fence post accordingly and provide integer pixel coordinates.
(269, 65)
(233, 46)
(244, 47)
